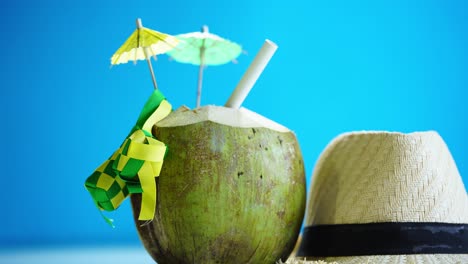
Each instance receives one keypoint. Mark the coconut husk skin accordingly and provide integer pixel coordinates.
(225, 195)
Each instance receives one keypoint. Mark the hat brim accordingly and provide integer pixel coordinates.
(386, 259)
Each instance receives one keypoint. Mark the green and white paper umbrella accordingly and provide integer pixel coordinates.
(204, 48)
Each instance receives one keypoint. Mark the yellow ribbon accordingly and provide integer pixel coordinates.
(141, 147)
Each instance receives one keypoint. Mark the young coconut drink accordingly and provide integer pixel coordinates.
(231, 190)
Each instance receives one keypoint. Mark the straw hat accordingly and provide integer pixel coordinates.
(380, 197)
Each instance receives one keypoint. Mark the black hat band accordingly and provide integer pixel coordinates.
(390, 238)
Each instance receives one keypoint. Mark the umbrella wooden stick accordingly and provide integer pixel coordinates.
(200, 80)
(148, 59)
(151, 70)
(200, 74)
(202, 65)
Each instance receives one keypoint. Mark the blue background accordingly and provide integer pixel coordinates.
(341, 66)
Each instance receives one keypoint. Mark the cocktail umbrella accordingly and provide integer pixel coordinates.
(143, 44)
(203, 48)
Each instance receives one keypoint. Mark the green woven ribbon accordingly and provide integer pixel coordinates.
(132, 168)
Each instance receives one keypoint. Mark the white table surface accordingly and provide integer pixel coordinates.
(76, 255)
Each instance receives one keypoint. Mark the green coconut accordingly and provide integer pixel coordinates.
(231, 189)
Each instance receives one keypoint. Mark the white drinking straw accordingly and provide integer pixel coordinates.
(251, 75)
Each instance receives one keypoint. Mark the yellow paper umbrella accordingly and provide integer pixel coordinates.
(143, 44)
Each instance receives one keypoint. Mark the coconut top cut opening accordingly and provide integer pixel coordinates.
(242, 117)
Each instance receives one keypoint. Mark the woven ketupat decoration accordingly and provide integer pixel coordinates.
(106, 188)
(132, 168)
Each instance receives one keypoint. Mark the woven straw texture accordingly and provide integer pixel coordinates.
(407, 259)
(367, 177)
(301, 261)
